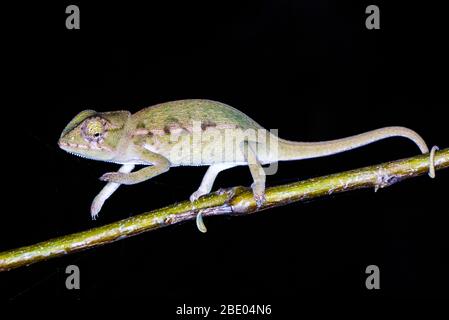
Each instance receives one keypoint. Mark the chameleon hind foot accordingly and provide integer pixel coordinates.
(258, 194)
(197, 194)
(432, 161)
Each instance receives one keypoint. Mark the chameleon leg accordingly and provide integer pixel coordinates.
(159, 163)
(107, 191)
(209, 178)
(206, 187)
(257, 172)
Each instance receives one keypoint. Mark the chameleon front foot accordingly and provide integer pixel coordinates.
(101, 198)
(96, 207)
(116, 177)
(107, 191)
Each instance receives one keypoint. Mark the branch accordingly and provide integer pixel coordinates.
(233, 201)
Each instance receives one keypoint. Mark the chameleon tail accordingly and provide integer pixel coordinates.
(290, 150)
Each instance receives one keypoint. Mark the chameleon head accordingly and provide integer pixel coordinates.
(95, 135)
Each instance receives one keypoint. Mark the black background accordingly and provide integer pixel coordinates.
(309, 68)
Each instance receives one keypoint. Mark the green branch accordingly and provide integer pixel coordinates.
(234, 201)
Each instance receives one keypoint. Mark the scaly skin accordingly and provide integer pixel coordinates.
(192, 133)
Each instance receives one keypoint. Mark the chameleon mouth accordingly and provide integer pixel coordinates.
(66, 145)
(83, 151)
(69, 148)
(76, 154)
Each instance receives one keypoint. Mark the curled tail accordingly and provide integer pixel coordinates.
(290, 150)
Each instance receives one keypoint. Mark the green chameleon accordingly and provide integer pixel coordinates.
(195, 132)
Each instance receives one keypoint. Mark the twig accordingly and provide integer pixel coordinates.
(233, 201)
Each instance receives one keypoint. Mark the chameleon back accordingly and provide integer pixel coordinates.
(183, 112)
(170, 129)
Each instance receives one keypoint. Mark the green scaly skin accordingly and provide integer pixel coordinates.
(154, 136)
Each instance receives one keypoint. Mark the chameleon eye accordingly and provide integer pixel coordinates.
(93, 129)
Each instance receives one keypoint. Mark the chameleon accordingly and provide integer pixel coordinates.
(193, 132)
